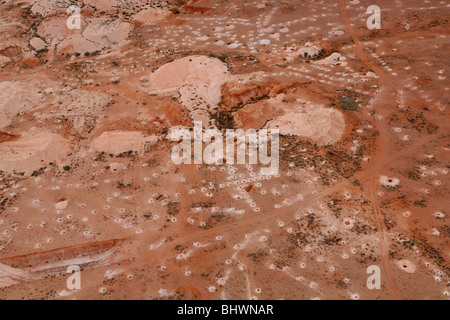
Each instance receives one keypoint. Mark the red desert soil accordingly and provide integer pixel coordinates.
(87, 179)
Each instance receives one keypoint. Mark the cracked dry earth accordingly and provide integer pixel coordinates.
(86, 176)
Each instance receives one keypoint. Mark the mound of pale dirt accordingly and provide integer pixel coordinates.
(152, 16)
(322, 125)
(105, 32)
(117, 142)
(100, 34)
(32, 152)
(199, 81)
(55, 28)
(38, 43)
(406, 266)
(334, 59)
(307, 50)
(16, 97)
(389, 182)
(48, 8)
(206, 75)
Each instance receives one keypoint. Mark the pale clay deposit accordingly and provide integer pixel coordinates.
(322, 125)
(120, 142)
(32, 151)
(152, 16)
(17, 97)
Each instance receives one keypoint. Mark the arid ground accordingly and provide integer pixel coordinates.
(87, 179)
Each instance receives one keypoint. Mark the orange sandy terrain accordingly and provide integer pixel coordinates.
(86, 176)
